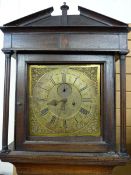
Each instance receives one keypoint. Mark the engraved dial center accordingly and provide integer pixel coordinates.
(62, 102)
(64, 90)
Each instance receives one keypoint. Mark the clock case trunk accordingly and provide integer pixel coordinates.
(88, 38)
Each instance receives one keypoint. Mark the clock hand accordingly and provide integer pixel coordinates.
(64, 100)
(62, 107)
(55, 102)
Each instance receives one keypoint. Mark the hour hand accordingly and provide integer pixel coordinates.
(53, 102)
(64, 100)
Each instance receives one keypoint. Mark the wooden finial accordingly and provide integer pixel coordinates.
(64, 8)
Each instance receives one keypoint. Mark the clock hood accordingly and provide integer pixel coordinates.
(85, 18)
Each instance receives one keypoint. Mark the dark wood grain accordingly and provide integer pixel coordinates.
(6, 101)
(27, 169)
(68, 41)
(88, 38)
(122, 104)
(23, 141)
(61, 158)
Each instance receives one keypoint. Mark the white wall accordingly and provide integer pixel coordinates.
(13, 9)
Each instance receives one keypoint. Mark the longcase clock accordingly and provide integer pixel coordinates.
(65, 114)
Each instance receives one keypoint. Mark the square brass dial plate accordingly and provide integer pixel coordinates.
(64, 100)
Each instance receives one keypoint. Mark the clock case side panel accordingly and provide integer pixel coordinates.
(104, 143)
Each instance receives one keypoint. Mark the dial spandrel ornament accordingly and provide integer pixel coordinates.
(64, 100)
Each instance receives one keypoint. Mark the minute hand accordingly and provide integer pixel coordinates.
(63, 104)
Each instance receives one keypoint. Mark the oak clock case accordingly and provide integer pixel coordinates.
(65, 117)
(63, 103)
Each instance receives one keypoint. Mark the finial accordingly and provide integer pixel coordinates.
(64, 8)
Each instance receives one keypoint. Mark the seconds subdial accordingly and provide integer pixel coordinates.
(64, 90)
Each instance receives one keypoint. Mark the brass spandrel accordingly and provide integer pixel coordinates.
(64, 100)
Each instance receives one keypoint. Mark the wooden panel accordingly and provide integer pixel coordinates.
(128, 82)
(42, 169)
(128, 99)
(61, 145)
(118, 66)
(7, 40)
(93, 41)
(123, 41)
(30, 41)
(52, 41)
(128, 65)
(129, 35)
(118, 100)
(117, 82)
(128, 138)
(120, 170)
(129, 47)
(128, 130)
(129, 43)
(128, 117)
(129, 54)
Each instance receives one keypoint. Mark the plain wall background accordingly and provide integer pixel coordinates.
(14, 9)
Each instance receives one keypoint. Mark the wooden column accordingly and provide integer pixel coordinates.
(6, 101)
(122, 103)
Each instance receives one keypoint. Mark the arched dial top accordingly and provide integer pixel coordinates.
(64, 100)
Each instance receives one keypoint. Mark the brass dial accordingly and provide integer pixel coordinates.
(64, 100)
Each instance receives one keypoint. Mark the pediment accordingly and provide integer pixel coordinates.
(85, 18)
